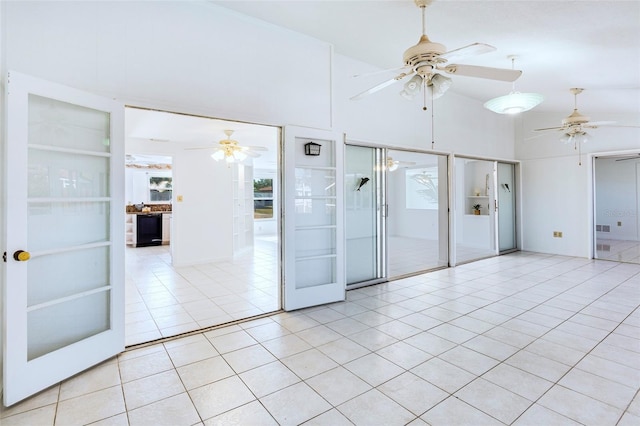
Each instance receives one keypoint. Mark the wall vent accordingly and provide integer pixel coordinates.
(603, 247)
(599, 228)
(606, 228)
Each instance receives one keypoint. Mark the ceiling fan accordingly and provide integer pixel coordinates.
(231, 151)
(425, 58)
(574, 125)
(392, 165)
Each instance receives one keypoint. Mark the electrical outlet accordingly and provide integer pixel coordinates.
(557, 234)
(179, 198)
(619, 223)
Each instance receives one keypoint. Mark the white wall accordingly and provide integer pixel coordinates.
(556, 190)
(185, 56)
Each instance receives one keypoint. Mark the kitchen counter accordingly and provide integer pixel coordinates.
(155, 208)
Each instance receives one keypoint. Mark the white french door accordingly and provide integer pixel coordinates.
(313, 219)
(64, 282)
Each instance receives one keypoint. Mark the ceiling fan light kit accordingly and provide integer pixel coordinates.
(439, 85)
(230, 150)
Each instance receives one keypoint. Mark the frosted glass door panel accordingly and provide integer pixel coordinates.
(59, 217)
(316, 242)
(66, 266)
(315, 272)
(315, 182)
(363, 230)
(68, 180)
(57, 174)
(64, 125)
(56, 326)
(417, 198)
(506, 207)
(315, 211)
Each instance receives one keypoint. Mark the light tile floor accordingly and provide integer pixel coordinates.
(620, 251)
(162, 300)
(522, 339)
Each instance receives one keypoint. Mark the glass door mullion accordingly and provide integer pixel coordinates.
(381, 252)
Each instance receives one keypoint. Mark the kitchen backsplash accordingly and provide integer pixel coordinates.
(131, 208)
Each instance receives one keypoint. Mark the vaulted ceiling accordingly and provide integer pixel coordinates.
(559, 44)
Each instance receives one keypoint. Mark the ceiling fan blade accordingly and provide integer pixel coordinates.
(398, 69)
(380, 86)
(539, 135)
(547, 129)
(201, 147)
(502, 74)
(470, 50)
(596, 124)
(251, 154)
(256, 148)
(600, 123)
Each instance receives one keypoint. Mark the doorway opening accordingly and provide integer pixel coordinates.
(218, 258)
(616, 196)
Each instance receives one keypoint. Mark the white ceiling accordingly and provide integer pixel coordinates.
(560, 44)
(197, 132)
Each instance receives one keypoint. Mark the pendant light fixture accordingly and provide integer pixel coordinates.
(515, 102)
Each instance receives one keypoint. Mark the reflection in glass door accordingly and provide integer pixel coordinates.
(364, 223)
(485, 209)
(475, 209)
(616, 196)
(417, 222)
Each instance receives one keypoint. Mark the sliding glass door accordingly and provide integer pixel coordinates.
(417, 220)
(396, 213)
(364, 201)
(485, 209)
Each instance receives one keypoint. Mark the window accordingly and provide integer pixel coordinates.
(160, 188)
(263, 198)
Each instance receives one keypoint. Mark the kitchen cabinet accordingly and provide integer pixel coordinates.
(130, 226)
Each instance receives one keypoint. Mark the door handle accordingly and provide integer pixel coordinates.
(21, 255)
